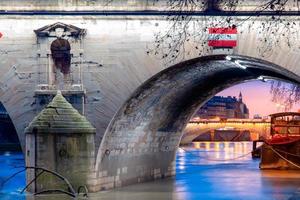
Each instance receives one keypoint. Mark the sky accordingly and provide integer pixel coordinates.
(257, 97)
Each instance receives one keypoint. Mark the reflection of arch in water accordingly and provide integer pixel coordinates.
(60, 50)
(142, 139)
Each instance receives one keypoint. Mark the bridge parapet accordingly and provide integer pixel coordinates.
(243, 121)
(131, 5)
(82, 5)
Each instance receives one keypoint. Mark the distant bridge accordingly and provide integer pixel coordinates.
(196, 127)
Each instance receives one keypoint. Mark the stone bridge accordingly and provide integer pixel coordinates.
(138, 101)
(256, 127)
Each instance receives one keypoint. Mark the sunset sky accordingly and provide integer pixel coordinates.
(256, 95)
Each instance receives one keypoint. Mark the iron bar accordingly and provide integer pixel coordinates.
(33, 180)
(56, 174)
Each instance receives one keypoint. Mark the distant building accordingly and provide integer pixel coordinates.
(224, 108)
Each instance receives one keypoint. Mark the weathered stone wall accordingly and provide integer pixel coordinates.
(71, 156)
(59, 139)
(113, 56)
(115, 63)
(119, 5)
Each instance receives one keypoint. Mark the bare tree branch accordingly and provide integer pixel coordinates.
(186, 35)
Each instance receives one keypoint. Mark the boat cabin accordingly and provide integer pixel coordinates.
(285, 124)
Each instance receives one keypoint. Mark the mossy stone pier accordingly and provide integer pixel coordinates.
(62, 140)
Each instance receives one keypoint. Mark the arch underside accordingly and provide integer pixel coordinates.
(141, 141)
(17, 96)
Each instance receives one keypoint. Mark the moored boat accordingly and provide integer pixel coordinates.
(282, 149)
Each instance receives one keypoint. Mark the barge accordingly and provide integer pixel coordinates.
(282, 149)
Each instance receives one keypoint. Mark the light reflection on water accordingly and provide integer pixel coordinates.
(201, 176)
(9, 164)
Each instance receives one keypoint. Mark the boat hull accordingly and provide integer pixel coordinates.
(281, 156)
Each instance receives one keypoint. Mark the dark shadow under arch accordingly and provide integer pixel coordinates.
(9, 140)
(141, 141)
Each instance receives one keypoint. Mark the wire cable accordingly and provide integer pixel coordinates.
(288, 153)
(282, 157)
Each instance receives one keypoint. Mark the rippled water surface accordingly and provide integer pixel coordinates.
(205, 171)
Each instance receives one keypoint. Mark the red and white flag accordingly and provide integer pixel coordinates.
(222, 37)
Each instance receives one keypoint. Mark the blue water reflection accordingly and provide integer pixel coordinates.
(209, 170)
(205, 171)
(10, 163)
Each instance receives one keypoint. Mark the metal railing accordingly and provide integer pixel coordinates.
(81, 190)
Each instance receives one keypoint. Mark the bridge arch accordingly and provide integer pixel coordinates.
(140, 142)
(17, 97)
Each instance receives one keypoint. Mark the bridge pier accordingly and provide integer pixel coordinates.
(61, 140)
(138, 161)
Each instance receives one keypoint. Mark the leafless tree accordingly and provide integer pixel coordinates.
(186, 34)
(285, 95)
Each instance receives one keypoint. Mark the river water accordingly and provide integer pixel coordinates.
(205, 171)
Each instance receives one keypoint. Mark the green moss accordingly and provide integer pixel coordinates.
(60, 117)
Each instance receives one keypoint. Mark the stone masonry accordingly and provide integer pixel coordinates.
(61, 140)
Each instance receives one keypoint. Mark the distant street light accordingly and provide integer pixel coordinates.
(280, 107)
